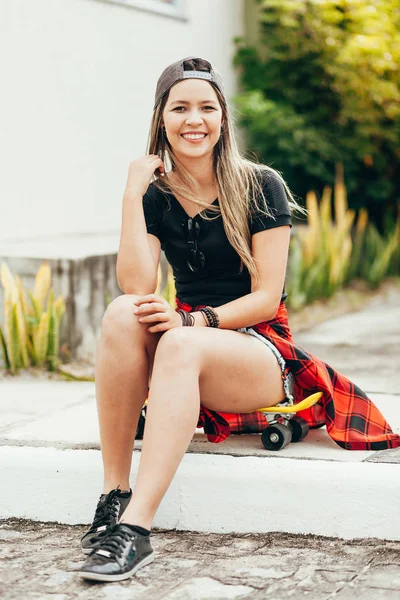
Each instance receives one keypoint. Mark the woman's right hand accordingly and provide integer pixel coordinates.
(140, 173)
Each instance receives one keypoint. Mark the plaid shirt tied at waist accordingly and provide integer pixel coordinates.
(351, 418)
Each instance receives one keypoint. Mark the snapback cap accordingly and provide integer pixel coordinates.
(175, 72)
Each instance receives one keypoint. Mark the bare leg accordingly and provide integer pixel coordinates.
(172, 414)
(122, 375)
(233, 372)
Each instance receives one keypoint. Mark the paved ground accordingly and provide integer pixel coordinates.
(38, 562)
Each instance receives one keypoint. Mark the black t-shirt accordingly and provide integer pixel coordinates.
(219, 281)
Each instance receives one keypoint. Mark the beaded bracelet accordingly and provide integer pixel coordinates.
(211, 316)
(215, 316)
(188, 319)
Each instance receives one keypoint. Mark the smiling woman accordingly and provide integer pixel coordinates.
(226, 349)
(192, 113)
(203, 168)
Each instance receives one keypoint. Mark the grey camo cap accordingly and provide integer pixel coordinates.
(174, 73)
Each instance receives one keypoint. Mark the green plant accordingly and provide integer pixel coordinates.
(31, 334)
(322, 250)
(327, 254)
(320, 84)
(378, 255)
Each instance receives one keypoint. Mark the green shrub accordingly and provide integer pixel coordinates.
(31, 332)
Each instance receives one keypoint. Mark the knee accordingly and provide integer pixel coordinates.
(177, 345)
(119, 315)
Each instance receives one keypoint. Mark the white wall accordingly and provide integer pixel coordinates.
(77, 88)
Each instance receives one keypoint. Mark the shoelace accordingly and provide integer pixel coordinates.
(106, 511)
(115, 540)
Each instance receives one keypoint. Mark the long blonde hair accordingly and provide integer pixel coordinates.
(239, 181)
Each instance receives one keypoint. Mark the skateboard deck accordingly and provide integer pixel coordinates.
(294, 408)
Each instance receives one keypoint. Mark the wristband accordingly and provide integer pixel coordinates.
(211, 316)
(187, 318)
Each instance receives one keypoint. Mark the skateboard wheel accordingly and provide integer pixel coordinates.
(141, 424)
(299, 429)
(276, 437)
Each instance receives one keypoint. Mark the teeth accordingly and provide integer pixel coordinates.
(194, 136)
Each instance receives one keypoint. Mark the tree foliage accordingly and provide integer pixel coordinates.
(322, 86)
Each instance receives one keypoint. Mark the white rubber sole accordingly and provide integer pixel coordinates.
(100, 577)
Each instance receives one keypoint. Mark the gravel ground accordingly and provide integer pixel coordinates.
(38, 562)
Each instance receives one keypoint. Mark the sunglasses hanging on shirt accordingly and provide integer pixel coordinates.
(196, 259)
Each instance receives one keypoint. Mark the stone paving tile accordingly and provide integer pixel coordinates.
(385, 456)
(194, 566)
(388, 577)
(361, 593)
(204, 588)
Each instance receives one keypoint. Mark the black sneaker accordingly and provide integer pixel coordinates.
(109, 510)
(122, 551)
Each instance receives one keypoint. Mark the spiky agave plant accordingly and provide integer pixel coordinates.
(31, 331)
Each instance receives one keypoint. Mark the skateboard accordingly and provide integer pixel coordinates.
(284, 426)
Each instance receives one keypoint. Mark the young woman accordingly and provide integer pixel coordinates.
(224, 224)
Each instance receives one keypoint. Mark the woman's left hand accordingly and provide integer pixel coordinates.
(154, 309)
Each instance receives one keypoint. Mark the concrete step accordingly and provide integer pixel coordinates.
(49, 453)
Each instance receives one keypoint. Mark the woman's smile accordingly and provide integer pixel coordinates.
(194, 138)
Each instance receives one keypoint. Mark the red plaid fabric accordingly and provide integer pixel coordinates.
(351, 418)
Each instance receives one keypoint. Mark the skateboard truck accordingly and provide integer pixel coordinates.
(284, 426)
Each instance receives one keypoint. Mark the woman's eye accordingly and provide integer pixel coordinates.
(205, 107)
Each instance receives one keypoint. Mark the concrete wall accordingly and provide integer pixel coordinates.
(77, 91)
